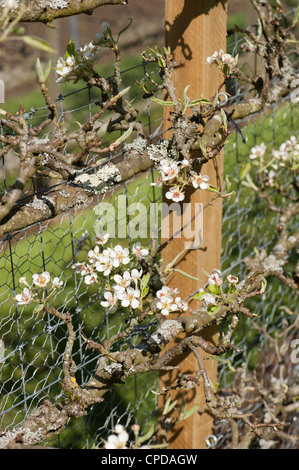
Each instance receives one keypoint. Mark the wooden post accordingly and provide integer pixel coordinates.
(194, 30)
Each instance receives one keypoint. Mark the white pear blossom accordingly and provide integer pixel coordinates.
(41, 280)
(122, 281)
(64, 67)
(232, 279)
(102, 239)
(166, 305)
(169, 169)
(118, 440)
(121, 254)
(23, 281)
(56, 282)
(110, 302)
(222, 59)
(130, 297)
(24, 298)
(215, 279)
(175, 194)
(82, 268)
(139, 251)
(181, 304)
(288, 154)
(87, 52)
(135, 274)
(258, 151)
(105, 266)
(158, 182)
(227, 58)
(215, 56)
(164, 292)
(91, 278)
(200, 181)
(95, 255)
(209, 299)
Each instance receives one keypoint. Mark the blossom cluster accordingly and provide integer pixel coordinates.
(119, 439)
(111, 267)
(179, 174)
(257, 151)
(287, 156)
(168, 301)
(125, 284)
(39, 281)
(225, 62)
(214, 291)
(80, 60)
(72, 66)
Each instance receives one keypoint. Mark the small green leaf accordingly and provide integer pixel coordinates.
(125, 28)
(169, 406)
(38, 308)
(162, 102)
(119, 95)
(102, 131)
(213, 289)
(185, 93)
(123, 137)
(144, 281)
(47, 70)
(203, 145)
(296, 16)
(232, 289)
(212, 309)
(18, 30)
(212, 188)
(161, 62)
(70, 49)
(37, 43)
(39, 71)
(144, 292)
(146, 436)
(200, 101)
(223, 119)
(245, 170)
(206, 273)
(259, 29)
(216, 100)
(187, 414)
(199, 296)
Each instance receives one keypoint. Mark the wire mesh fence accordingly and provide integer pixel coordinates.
(31, 363)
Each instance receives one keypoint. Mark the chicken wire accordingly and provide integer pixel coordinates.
(31, 364)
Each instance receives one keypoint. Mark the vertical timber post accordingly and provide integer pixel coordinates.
(194, 30)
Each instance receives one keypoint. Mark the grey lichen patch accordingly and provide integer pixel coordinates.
(167, 331)
(271, 263)
(27, 436)
(160, 151)
(100, 181)
(138, 144)
(64, 193)
(38, 205)
(43, 141)
(56, 4)
(111, 368)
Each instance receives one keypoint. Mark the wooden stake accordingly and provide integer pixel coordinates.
(194, 30)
